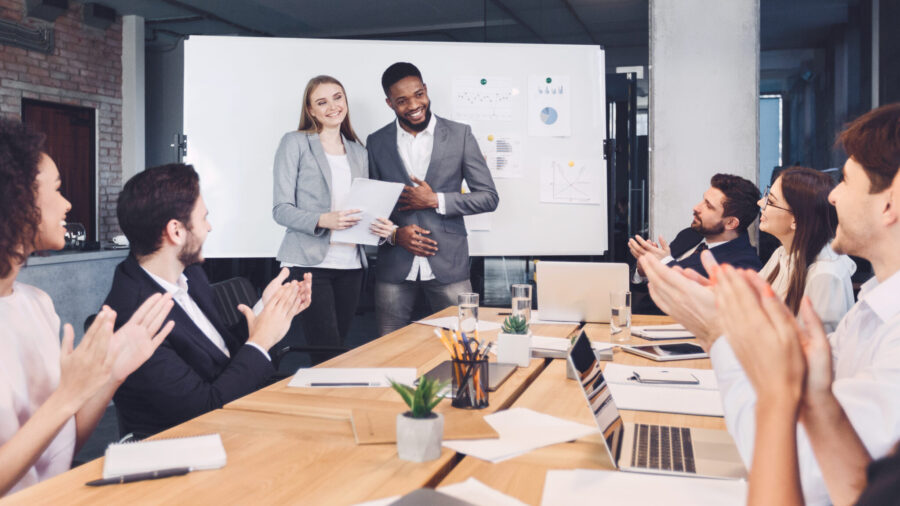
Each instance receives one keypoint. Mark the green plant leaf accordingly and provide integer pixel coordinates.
(418, 407)
(405, 391)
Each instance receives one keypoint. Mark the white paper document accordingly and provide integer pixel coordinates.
(352, 377)
(452, 322)
(375, 199)
(535, 319)
(482, 98)
(660, 332)
(521, 430)
(581, 486)
(700, 399)
(562, 344)
(573, 181)
(472, 491)
(197, 452)
(549, 106)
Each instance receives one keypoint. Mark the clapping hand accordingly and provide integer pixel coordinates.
(275, 319)
(86, 369)
(138, 338)
(640, 247)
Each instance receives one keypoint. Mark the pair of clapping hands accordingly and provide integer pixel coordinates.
(787, 359)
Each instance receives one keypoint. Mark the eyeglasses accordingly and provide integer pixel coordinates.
(767, 203)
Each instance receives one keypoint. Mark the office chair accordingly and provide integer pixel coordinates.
(240, 290)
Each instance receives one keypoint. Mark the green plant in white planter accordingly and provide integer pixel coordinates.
(514, 342)
(419, 430)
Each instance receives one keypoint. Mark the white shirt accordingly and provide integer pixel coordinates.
(828, 284)
(415, 151)
(339, 255)
(865, 349)
(180, 295)
(29, 373)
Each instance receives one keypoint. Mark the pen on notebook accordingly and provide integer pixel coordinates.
(343, 384)
(151, 475)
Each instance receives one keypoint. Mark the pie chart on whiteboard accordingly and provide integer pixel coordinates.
(549, 115)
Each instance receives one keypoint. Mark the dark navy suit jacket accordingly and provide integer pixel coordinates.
(187, 375)
(736, 252)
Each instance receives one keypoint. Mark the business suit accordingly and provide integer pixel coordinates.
(738, 253)
(187, 375)
(455, 158)
(302, 192)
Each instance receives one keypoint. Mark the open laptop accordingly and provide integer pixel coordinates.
(578, 291)
(652, 448)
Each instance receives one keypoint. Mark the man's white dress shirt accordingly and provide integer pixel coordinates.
(181, 297)
(415, 151)
(865, 349)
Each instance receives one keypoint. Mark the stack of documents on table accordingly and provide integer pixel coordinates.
(198, 452)
(471, 491)
(700, 399)
(582, 486)
(521, 430)
(661, 332)
(451, 322)
(337, 377)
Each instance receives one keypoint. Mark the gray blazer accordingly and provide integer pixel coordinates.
(302, 192)
(455, 158)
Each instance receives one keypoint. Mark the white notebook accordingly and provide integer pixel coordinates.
(197, 452)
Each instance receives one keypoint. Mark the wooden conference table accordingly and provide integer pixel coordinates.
(296, 445)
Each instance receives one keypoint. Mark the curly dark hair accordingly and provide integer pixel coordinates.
(20, 152)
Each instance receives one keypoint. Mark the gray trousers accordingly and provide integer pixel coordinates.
(394, 302)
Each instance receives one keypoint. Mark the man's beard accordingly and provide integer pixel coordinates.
(708, 231)
(190, 252)
(417, 127)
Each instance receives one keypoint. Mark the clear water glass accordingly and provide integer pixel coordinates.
(521, 301)
(468, 311)
(620, 316)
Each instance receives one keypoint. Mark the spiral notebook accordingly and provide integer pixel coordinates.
(196, 452)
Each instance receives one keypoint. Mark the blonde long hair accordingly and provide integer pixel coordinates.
(309, 124)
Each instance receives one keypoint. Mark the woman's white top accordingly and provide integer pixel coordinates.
(339, 255)
(29, 373)
(828, 284)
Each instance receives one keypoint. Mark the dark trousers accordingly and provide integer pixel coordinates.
(335, 295)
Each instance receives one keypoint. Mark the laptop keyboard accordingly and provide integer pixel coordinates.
(664, 448)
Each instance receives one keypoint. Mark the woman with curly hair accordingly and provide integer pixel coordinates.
(51, 397)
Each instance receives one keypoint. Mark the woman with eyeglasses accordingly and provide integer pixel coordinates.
(795, 209)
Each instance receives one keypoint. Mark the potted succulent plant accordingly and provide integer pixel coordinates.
(419, 430)
(514, 342)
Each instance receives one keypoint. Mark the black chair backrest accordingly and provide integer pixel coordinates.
(229, 294)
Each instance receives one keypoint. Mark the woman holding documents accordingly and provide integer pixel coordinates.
(795, 209)
(314, 169)
(50, 398)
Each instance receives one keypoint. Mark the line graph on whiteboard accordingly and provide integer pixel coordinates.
(572, 182)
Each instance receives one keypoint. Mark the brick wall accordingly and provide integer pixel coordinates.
(84, 69)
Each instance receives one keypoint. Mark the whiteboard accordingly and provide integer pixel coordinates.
(242, 94)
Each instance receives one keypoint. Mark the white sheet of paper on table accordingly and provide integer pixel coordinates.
(581, 486)
(521, 431)
(364, 376)
(376, 199)
(701, 399)
(471, 491)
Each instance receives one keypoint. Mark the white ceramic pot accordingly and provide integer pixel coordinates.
(419, 439)
(514, 349)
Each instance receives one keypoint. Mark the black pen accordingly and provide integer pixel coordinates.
(343, 384)
(151, 475)
(504, 314)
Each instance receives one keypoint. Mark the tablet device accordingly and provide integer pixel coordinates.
(667, 352)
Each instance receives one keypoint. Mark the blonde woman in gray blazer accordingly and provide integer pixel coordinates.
(314, 167)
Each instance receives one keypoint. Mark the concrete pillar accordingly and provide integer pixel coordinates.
(132, 96)
(704, 102)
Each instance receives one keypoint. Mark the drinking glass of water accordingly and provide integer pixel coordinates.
(468, 311)
(521, 301)
(620, 316)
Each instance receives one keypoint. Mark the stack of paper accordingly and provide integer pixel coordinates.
(561, 344)
(335, 377)
(198, 452)
(700, 399)
(661, 332)
(452, 322)
(471, 491)
(581, 486)
(521, 430)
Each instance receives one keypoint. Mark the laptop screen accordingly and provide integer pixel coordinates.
(598, 395)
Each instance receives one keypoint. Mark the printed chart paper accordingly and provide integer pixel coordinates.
(549, 106)
(502, 152)
(572, 181)
(482, 98)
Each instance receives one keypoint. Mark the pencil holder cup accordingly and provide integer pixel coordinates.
(470, 384)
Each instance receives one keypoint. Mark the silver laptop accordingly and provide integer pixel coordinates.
(578, 291)
(654, 449)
